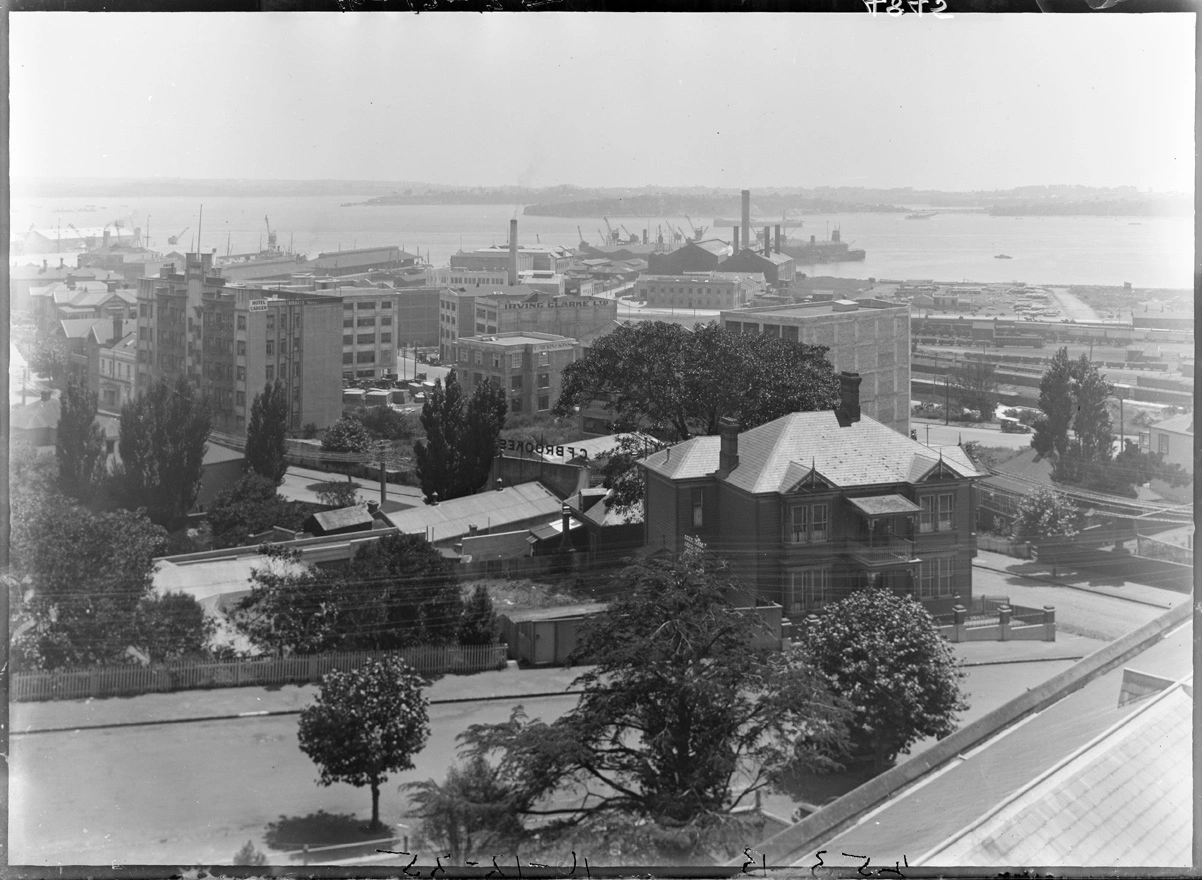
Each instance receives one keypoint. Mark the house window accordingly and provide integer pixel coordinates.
(242, 322)
(1162, 441)
(809, 589)
(240, 398)
(515, 383)
(698, 508)
(479, 356)
(936, 577)
(385, 337)
(270, 347)
(242, 348)
(515, 361)
(936, 515)
(366, 357)
(386, 304)
(347, 357)
(496, 362)
(544, 403)
(270, 373)
(348, 322)
(386, 320)
(367, 338)
(347, 340)
(515, 405)
(808, 523)
(544, 359)
(369, 321)
(241, 374)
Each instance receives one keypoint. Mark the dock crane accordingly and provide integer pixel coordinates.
(601, 235)
(174, 239)
(630, 239)
(581, 234)
(698, 231)
(271, 238)
(83, 239)
(612, 235)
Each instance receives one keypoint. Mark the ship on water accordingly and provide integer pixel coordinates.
(832, 250)
(921, 215)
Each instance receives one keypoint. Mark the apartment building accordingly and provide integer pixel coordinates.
(868, 337)
(528, 366)
(231, 340)
(700, 290)
(813, 506)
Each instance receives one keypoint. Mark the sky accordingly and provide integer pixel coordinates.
(597, 99)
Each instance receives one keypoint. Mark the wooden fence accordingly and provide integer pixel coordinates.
(108, 681)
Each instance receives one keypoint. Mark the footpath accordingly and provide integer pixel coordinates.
(1115, 587)
(181, 706)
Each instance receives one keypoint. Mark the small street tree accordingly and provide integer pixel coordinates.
(1048, 519)
(976, 386)
(266, 433)
(338, 493)
(162, 444)
(681, 719)
(173, 626)
(468, 813)
(346, 435)
(884, 653)
(478, 625)
(366, 724)
(79, 443)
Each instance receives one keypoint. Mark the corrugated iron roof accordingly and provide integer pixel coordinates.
(486, 510)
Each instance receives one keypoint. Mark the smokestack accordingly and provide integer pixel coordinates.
(117, 323)
(767, 241)
(513, 252)
(644, 236)
(736, 242)
(848, 410)
(728, 452)
(746, 218)
(778, 238)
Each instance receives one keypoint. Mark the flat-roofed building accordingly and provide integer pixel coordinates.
(528, 366)
(866, 336)
(466, 313)
(229, 341)
(700, 290)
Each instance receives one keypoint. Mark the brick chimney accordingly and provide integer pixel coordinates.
(736, 239)
(728, 452)
(117, 325)
(513, 252)
(767, 241)
(848, 410)
(565, 542)
(778, 238)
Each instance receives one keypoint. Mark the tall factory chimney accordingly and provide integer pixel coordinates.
(736, 239)
(746, 218)
(767, 241)
(513, 252)
(778, 238)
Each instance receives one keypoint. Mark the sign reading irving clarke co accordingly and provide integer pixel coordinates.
(570, 304)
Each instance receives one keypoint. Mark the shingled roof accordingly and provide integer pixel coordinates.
(776, 456)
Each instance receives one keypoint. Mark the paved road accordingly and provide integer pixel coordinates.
(937, 434)
(1071, 306)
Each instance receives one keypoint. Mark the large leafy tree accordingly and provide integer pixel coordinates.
(173, 626)
(50, 358)
(976, 386)
(884, 653)
(365, 724)
(681, 719)
(162, 444)
(468, 813)
(249, 507)
(678, 383)
(461, 438)
(88, 576)
(79, 443)
(266, 433)
(396, 592)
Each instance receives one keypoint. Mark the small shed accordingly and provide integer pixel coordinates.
(545, 636)
(342, 521)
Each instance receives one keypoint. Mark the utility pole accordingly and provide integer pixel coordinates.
(383, 473)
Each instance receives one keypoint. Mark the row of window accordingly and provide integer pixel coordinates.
(808, 589)
(366, 305)
(366, 357)
(365, 338)
(369, 321)
(810, 523)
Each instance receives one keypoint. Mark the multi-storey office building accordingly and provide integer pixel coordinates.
(230, 341)
(815, 505)
(868, 337)
(528, 366)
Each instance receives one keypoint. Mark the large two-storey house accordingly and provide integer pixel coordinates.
(815, 505)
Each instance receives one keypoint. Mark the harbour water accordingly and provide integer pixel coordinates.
(1148, 252)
